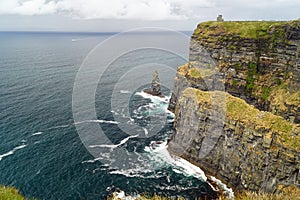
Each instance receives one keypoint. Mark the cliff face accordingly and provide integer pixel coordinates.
(237, 104)
(257, 61)
(253, 150)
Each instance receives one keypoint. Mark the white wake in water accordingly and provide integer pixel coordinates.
(112, 146)
(80, 39)
(37, 133)
(163, 102)
(125, 92)
(155, 156)
(81, 122)
(11, 152)
(97, 121)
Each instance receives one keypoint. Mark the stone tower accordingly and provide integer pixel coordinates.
(220, 18)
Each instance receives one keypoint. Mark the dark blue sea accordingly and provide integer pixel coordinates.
(75, 122)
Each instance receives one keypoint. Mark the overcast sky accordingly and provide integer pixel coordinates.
(119, 15)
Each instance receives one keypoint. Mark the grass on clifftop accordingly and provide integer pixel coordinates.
(244, 29)
(10, 193)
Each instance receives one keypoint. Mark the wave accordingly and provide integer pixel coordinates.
(227, 191)
(134, 172)
(37, 133)
(155, 156)
(85, 121)
(125, 92)
(112, 146)
(91, 161)
(11, 152)
(153, 98)
(60, 126)
(179, 165)
(97, 121)
(182, 166)
(145, 130)
(157, 102)
(79, 39)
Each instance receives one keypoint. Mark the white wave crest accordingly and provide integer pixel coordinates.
(112, 146)
(145, 130)
(97, 121)
(125, 92)
(60, 126)
(133, 172)
(80, 39)
(179, 165)
(227, 191)
(11, 152)
(91, 161)
(153, 98)
(37, 133)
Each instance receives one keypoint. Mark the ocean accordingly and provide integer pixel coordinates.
(75, 122)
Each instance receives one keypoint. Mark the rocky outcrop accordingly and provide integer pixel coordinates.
(237, 104)
(155, 86)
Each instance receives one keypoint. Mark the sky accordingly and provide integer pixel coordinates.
(122, 15)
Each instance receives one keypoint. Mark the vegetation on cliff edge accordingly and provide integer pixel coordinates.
(244, 29)
(10, 193)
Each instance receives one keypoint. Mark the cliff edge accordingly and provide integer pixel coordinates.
(237, 104)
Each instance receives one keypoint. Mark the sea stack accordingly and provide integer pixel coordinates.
(155, 86)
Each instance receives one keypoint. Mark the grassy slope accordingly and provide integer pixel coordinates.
(244, 29)
(10, 193)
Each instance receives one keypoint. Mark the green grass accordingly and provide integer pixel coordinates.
(252, 76)
(238, 66)
(195, 73)
(245, 29)
(10, 193)
(268, 34)
(234, 82)
(265, 93)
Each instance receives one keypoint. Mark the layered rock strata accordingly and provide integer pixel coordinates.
(237, 104)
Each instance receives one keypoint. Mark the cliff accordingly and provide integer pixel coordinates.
(237, 104)
(255, 60)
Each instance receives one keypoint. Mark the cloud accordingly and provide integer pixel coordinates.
(108, 9)
(263, 4)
